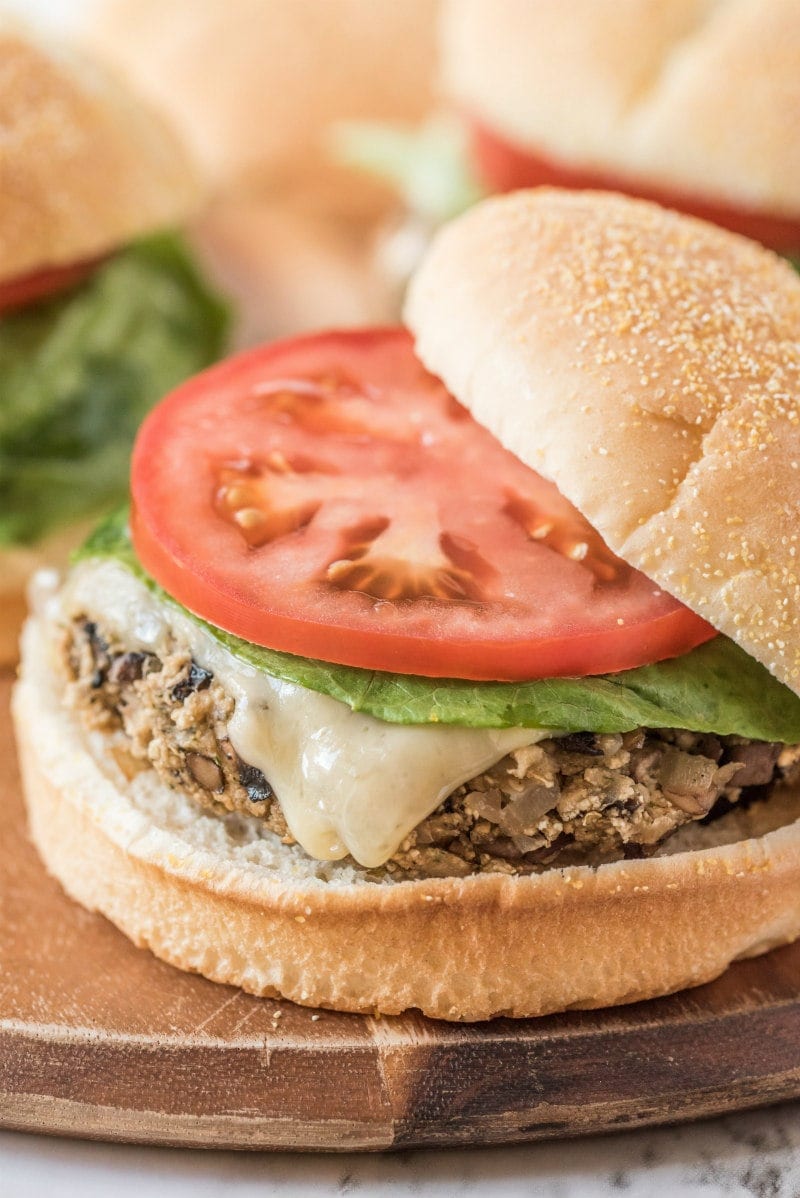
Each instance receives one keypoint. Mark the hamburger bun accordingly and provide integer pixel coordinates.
(649, 365)
(84, 165)
(692, 97)
(627, 354)
(255, 85)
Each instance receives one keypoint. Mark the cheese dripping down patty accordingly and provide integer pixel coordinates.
(347, 783)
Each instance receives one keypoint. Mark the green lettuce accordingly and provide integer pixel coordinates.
(715, 688)
(428, 165)
(79, 372)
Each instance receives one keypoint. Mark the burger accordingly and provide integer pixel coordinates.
(253, 87)
(452, 668)
(690, 104)
(253, 84)
(101, 306)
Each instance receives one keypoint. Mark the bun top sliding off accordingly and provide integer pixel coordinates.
(649, 364)
(84, 165)
(698, 96)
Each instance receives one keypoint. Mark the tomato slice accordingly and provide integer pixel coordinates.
(18, 293)
(326, 496)
(502, 166)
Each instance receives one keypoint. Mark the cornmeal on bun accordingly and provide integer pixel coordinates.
(472, 691)
(101, 307)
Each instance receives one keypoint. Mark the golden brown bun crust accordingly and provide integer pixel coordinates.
(84, 166)
(254, 84)
(454, 948)
(692, 95)
(649, 364)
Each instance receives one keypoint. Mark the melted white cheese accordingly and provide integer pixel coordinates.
(346, 782)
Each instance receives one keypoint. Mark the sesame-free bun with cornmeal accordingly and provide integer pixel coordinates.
(648, 364)
(695, 97)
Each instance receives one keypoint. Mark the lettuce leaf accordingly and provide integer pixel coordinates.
(715, 688)
(79, 372)
(427, 165)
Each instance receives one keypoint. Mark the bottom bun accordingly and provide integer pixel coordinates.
(219, 896)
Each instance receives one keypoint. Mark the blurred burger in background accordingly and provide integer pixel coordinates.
(692, 103)
(102, 308)
(254, 86)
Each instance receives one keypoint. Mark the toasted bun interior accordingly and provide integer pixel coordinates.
(694, 95)
(220, 896)
(84, 164)
(649, 364)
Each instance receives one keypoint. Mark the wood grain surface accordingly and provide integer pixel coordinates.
(99, 1039)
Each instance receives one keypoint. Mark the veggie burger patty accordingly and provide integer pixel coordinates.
(580, 798)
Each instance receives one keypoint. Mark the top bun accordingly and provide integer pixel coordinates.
(255, 84)
(84, 166)
(649, 364)
(691, 95)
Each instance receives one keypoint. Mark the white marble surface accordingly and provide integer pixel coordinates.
(753, 1155)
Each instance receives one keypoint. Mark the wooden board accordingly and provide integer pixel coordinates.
(99, 1039)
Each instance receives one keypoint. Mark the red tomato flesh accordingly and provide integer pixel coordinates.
(18, 293)
(327, 497)
(502, 166)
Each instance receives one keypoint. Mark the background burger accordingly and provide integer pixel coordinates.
(101, 310)
(691, 104)
(369, 709)
(253, 86)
